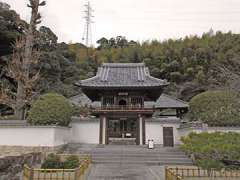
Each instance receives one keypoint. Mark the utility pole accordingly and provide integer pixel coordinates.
(87, 35)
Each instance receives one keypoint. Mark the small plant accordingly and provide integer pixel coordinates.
(71, 162)
(52, 162)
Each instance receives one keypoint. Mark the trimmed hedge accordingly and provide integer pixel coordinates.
(51, 109)
(213, 150)
(216, 108)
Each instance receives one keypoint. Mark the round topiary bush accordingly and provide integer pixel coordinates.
(51, 109)
(216, 108)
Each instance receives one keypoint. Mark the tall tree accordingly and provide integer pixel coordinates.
(24, 56)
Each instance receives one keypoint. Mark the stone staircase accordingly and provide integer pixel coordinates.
(131, 154)
(122, 141)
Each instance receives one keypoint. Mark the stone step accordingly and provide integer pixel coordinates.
(142, 161)
(148, 162)
(139, 150)
(141, 153)
(136, 151)
(140, 158)
(138, 155)
(135, 154)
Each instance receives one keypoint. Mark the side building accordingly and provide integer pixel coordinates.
(130, 107)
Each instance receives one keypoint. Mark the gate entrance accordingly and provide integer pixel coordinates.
(122, 131)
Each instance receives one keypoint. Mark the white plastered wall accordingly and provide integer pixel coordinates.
(154, 130)
(33, 136)
(85, 132)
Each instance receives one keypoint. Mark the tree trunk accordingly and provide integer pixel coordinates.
(20, 98)
(21, 91)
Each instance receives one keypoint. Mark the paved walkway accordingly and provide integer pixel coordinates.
(119, 162)
(125, 172)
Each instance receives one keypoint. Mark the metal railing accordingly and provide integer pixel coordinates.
(58, 174)
(180, 173)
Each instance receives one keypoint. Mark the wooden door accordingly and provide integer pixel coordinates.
(168, 137)
(119, 128)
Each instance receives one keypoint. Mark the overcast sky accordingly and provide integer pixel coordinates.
(137, 19)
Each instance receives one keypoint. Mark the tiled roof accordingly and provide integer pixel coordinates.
(170, 101)
(122, 75)
(166, 101)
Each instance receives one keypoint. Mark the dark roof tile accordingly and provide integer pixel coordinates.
(122, 75)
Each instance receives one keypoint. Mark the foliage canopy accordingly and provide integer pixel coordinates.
(216, 108)
(51, 109)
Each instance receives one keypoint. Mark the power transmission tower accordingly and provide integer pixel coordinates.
(87, 35)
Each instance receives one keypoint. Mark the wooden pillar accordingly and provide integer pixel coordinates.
(103, 130)
(140, 130)
(106, 131)
(100, 129)
(104, 123)
(137, 132)
(144, 130)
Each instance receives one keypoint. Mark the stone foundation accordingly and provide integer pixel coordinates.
(13, 158)
(12, 165)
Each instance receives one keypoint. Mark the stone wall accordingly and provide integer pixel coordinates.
(11, 166)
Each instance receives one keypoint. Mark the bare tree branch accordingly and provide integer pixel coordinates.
(23, 58)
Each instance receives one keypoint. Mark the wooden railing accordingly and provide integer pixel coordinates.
(58, 174)
(181, 173)
(122, 108)
(171, 175)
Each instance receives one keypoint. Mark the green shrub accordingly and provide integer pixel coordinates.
(71, 162)
(209, 164)
(82, 110)
(211, 149)
(52, 162)
(216, 108)
(10, 117)
(176, 76)
(51, 109)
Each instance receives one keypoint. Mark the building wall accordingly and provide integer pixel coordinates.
(61, 136)
(85, 131)
(154, 130)
(33, 136)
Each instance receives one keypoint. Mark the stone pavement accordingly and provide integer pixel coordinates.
(125, 172)
(129, 162)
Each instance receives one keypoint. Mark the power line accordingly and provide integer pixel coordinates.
(87, 35)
